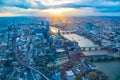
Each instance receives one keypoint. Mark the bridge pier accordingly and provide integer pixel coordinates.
(83, 49)
(96, 49)
(89, 49)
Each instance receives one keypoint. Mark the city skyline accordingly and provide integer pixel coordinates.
(59, 7)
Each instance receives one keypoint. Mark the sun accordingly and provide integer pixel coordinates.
(58, 11)
(54, 11)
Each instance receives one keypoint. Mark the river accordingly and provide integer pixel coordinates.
(84, 42)
(111, 68)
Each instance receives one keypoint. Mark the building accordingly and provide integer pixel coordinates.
(70, 75)
(60, 61)
(57, 76)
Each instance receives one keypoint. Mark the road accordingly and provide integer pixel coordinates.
(22, 62)
(11, 75)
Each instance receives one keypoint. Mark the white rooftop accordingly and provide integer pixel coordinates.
(69, 73)
(60, 50)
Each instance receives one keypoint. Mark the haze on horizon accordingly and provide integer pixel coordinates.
(59, 8)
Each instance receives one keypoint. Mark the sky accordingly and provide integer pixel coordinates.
(59, 7)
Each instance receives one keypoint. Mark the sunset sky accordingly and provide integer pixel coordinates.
(60, 7)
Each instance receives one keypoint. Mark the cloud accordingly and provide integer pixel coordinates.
(43, 4)
(15, 11)
(28, 7)
(6, 14)
(22, 3)
(84, 11)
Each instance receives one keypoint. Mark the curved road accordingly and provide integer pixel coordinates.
(23, 64)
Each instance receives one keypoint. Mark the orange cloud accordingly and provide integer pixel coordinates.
(8, 14)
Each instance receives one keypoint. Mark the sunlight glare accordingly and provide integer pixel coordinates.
(59, 11)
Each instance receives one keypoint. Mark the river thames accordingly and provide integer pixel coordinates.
(110, 68)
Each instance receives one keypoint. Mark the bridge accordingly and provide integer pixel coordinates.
(102, 58)
(57, 30)
(66, 32)
(92, 48)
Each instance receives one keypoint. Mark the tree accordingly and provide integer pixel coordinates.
(11, 54)
(7, 63)
(78, 77)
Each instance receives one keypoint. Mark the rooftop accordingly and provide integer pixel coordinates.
(69, 73)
